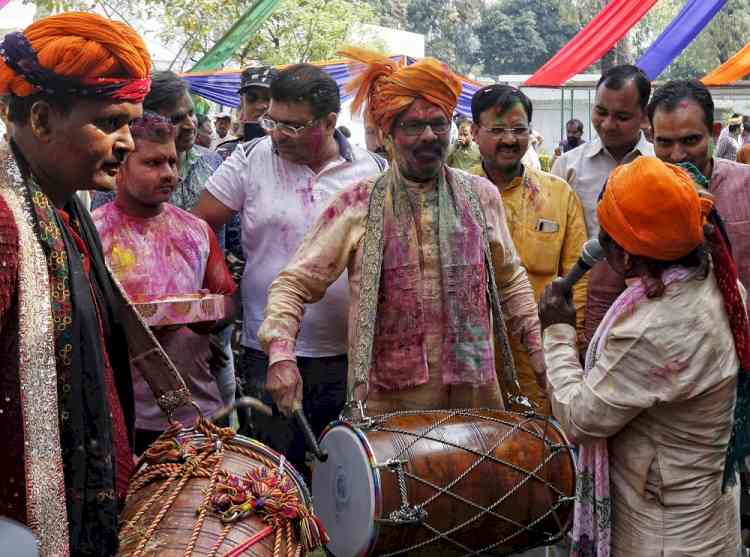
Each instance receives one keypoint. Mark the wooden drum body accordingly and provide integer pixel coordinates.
(458, 482)
(175, 506)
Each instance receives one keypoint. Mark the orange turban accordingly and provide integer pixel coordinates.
(76, 53)
(651, 208)
(389, 87)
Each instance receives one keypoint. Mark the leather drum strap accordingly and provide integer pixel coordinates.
(149, 359)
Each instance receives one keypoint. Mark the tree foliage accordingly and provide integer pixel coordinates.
(297, 31)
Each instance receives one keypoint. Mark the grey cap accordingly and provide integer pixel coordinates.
(259, 76)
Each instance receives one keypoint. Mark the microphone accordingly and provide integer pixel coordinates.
(591, 254)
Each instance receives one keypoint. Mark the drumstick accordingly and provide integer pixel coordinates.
(307, 433)
(244, 402)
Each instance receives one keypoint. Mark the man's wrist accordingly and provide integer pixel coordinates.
(281, 350)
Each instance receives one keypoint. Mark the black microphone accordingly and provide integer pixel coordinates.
(591, 254)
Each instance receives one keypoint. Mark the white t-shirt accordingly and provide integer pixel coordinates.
(279, 201)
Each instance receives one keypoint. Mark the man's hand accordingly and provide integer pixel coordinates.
(556, 305)
(540, 368)
(284, 384)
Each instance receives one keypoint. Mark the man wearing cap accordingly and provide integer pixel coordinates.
(222, 124)
(73, 83)
(280, 184)
(422, 244)
(255, 98)
(653, 411)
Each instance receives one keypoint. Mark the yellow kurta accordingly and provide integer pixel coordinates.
(545, 218)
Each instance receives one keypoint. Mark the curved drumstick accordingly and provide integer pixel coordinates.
(307, 433)
(244, 402)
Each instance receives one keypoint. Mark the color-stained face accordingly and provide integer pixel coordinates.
(307, 145)
(149, 176)
(182, 116)
(682, 136)
(254, 102)
(502, 137)
(91, 143)
(617, 116)
(421, 135)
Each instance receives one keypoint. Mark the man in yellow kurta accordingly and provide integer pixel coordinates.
(422, 244)
(544, 214)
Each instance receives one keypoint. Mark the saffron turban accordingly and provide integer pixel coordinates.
(76, 53)
(651, 209)
(389, 87)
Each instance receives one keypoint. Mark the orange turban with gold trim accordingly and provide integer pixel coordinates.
(651, 208)
(389, 87)
(76, 53)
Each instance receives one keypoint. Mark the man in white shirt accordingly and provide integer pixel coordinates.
(620, 107)
(280, 184)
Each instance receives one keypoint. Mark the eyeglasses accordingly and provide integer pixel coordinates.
(417, 127)
(269, 124)
(519, 131)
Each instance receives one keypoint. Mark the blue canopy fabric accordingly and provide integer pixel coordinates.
(683, 29)
(221, 86)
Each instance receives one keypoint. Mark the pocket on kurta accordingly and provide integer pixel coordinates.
(540, 252)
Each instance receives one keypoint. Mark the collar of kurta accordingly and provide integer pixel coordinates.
(595, 147)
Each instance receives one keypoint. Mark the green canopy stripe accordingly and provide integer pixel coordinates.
(248, 24)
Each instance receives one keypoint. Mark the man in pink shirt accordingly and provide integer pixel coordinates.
(157, 250)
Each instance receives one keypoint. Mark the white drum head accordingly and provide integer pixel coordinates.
(344, 492)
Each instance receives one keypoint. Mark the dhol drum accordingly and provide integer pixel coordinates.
(208, 492)
(445, 482)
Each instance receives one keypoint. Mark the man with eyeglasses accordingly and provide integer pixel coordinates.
(422, 244)
(544, 214)
(280, 184)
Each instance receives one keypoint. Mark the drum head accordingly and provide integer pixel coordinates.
(344, 491)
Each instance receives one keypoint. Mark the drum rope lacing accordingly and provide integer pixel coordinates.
(378, 424)
(263, 491)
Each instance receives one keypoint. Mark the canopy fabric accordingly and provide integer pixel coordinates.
(3, 3)
(734, 69)
(591, 42)
(221, 86)
(683, 29)
(239, 33)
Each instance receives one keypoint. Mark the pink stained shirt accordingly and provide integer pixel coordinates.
(167, 255)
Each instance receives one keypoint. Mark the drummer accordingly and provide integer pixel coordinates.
(653, 410)
(157, 250)
(420, 321)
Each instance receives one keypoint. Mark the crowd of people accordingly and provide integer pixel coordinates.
(413, 274)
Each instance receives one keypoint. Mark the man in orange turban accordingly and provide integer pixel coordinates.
(423, 244)
(72, 83)
(662, 375)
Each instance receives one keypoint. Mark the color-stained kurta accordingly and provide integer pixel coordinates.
(545, 218)
(171, 254)
(663, 392)
(335, 243)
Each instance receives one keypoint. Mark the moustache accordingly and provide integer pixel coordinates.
(433, 149)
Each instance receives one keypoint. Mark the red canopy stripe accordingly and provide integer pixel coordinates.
(591, 42)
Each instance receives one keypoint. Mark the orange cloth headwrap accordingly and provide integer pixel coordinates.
(389, 87)
(91, 53)
(651, 208)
